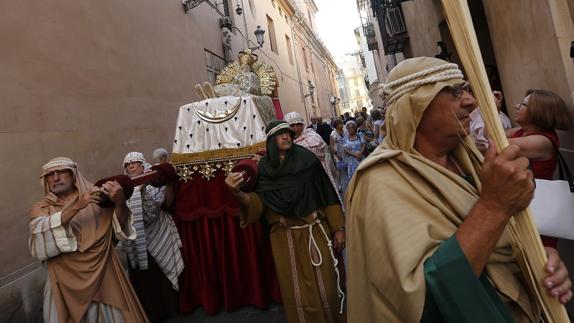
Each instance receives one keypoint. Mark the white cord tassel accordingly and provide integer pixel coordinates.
(313, 244)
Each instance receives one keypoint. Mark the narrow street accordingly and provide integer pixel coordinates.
(360, 161)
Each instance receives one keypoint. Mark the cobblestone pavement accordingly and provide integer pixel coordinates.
(274, 314)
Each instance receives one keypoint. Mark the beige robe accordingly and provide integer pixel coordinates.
(86, 281)
(401, 206)
(309, 292)
(397, 218)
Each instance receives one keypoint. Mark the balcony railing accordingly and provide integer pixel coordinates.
(370, 35)
(392, 25)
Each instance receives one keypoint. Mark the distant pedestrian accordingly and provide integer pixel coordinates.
(353, 146)
(160, 156)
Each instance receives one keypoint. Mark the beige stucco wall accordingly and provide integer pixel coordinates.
(306, 103)
(325, 88)
(422, 19)
(320, 69)
(93, 82)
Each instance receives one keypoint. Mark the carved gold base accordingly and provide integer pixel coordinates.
(208, 163)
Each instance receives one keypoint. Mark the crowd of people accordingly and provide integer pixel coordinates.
(415, 192)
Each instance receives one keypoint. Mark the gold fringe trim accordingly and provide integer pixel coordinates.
(216, 155)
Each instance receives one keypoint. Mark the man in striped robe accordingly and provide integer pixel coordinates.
(154, 256)
(73, 236)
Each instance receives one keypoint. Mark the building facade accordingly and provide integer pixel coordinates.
(93, 82)
(316, 65)
(530, 48)
(352, 84)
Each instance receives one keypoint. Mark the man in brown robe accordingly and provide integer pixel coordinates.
(74, 237)
(296, 197)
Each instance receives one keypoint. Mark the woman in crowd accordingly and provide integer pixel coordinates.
(378, 123)
(539, 115)
(353, 147)
(361, 127)
(336, 144)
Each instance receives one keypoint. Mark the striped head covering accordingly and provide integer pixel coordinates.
(277, 127)
(86, 221)
(58, 163)
(133, 157)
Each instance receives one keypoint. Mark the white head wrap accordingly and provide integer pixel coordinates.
(135, 156)
(294, 118)
(132, 157)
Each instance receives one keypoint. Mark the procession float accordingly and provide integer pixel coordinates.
(225, 265)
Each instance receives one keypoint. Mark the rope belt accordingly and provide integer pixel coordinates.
(313, 245)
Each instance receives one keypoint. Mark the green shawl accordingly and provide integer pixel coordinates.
(295, 186)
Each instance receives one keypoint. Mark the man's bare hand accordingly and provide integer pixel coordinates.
(92, 196)
(340, 240)
(557, 282)
(234, 182)
(507, 183)
(114, 191)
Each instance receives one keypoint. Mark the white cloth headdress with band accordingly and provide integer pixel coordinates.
(390, 92)
(294, 118)
(135, 156)
(58, 163)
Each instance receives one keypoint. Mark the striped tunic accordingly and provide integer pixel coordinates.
(161, 235)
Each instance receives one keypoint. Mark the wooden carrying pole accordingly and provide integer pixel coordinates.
(527, 245)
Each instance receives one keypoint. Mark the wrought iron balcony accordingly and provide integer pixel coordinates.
(391, 23)
(369, 31)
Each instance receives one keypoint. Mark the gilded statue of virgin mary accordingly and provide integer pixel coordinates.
(248, 75)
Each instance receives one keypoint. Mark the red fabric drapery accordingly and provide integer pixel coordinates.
(225, 266)
(278, 110)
